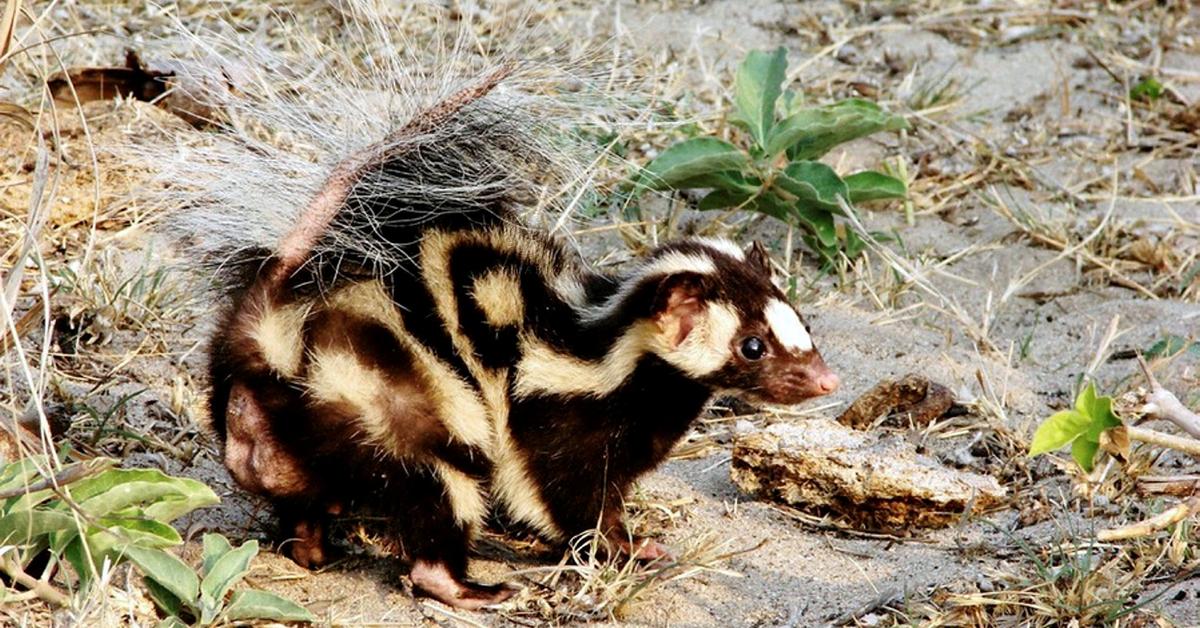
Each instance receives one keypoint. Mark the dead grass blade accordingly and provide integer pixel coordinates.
(8, 28)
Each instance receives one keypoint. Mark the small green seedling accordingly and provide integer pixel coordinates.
(1147, 89)
(1080, 426)
(205, 600)
(1172, 345)
(776, 172)
(110, 510)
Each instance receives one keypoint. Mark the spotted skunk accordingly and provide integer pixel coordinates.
(399, 339)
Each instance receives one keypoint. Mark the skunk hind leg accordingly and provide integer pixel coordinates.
(422, 517)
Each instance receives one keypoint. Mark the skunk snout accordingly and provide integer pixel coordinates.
(827, 382)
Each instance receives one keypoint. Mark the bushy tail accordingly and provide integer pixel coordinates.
(337, 151)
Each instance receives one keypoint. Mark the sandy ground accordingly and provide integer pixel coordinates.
(1027, 90)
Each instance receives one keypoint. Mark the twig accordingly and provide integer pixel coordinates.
(44, 590)
(1158, 522)
(66, 476)
(886, 597)
(1163, 404)
(1181, 443)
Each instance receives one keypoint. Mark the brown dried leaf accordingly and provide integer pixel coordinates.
(1115, 441)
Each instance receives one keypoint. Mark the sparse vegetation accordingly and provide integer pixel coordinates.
(88, 515)
(208, 599)
(1080, 427)
(775, 171)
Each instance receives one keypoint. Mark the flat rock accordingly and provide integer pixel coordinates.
(877, 480)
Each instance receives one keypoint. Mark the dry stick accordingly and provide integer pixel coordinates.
(1149, 526)
(44, 590)
(1163, 404)
(66, 476)
(1181, 443)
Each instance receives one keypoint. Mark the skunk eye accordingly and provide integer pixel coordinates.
(753, 348)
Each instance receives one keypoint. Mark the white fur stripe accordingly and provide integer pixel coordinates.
(544, 370)
(786, 326)
(514, 487)
(706, 349)
(668, 264)
(280, 336)
(728, 247)
(465, 495)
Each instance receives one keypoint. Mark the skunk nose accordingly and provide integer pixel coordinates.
(828, 382)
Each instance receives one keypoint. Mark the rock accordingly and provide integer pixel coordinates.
(878, 481)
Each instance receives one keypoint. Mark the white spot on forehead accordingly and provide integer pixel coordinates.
(786, 326)
(723, 245)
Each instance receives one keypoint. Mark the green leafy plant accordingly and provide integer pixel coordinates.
(90, 512)
(205, 599)
(1080, 426)
(776, 171)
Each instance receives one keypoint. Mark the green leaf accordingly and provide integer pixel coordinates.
(73, 551)
(821, 224)
(245, 605)
(1099, 410)
(814, 185)
(226, 572)
(873, 186)
(1081, 427)
(192, 494)
(22, 527)
(1058, 430)
(728, 180)
(168, 602)
(1084, 453)
(816, 221)
(168, 571)
(757, 87)
(854, 244)
(791, 102)
(720, 199)
(139, 530)
(215, 546)
(172, 622)
(164, 497)
(124, 495)
(690, 159)
(810, 133)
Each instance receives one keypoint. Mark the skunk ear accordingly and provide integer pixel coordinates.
(758, 257)
(678, 306)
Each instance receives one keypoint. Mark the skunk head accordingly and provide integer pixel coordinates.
(722, 320)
